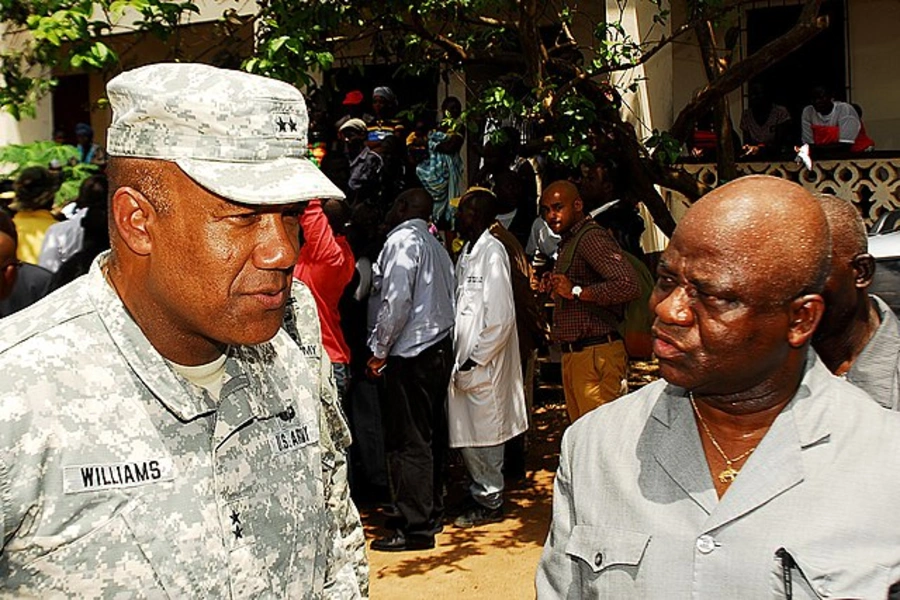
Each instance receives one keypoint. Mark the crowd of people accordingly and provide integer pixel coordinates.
(257, 340)
(47, 246)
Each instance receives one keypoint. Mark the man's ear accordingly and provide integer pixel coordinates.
(131, 215)
(863, 270)
(578, 205)
(805, 313)
(8, 276)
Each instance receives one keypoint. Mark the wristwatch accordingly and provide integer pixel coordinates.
(576, 292)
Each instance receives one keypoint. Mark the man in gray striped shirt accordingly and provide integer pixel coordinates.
(859, 336)
(413, 304)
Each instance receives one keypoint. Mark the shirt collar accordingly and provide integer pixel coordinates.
(415, 223)
(184, 399)
(812, 416)
(575, 228)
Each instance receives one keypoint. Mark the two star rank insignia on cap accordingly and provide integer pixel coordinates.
(288, 126)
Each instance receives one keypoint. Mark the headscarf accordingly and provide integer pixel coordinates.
(386, 93)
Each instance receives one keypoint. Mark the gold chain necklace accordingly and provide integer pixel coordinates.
(730, 473)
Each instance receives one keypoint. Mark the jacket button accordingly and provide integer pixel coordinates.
(598, 559)
(706, 544)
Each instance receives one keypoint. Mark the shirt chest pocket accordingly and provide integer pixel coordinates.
(471, 296)
(128, 555)
(606, 555)
(804, 574)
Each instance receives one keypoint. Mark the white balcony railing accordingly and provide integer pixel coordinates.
(871, 181)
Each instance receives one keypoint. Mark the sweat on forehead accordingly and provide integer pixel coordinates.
(771, 225)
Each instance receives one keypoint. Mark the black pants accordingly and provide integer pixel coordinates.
(415, 434)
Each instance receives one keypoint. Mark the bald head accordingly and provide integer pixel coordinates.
(739, 293)
(565, 191)
(774, 232)
(848, 231)
(849, 314)
(561, 206)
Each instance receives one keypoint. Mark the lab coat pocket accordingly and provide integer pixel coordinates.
(476, 381)
(607, 549)
(805, 573)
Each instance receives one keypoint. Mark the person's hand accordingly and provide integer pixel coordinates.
(562, 286)
(375, 367)
(545, 286)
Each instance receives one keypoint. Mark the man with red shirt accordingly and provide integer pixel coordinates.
(829, 125)
(326, 266)
(590, 282)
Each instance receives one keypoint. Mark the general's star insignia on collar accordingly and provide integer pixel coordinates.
(282, 125)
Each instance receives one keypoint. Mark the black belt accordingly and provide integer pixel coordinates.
(579, 345)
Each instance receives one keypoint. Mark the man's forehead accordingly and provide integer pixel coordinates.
(705, 257)
(558, 196)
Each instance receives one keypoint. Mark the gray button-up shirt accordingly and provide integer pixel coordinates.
(413, 292)
(877, 368)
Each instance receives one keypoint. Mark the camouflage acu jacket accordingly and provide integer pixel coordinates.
(120, 478)
(301, 321)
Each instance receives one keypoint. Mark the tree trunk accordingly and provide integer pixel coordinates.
(715, 68)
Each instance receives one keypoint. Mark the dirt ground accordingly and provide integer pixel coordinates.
(497, 560)
(494, 561)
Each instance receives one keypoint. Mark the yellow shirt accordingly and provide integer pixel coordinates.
(31, 226)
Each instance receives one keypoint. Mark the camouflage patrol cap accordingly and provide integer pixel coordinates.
(240, 136)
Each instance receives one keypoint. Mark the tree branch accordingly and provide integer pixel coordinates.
(488, 22)
(442, 41)
(807, 27)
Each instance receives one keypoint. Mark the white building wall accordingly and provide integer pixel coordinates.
(874, 79)
(41, 127)
(651, 104)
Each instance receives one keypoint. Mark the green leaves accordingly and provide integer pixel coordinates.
(615, 48)
(97, 56)
(67, 35)
(666, 149)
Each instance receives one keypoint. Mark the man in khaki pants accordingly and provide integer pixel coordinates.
(590, 283)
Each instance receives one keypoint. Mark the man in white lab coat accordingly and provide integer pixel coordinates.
(486, 405)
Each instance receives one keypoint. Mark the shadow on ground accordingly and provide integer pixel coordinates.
(526, 502)
(496, 560)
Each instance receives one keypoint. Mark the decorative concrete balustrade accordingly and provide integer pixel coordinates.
(871, 180)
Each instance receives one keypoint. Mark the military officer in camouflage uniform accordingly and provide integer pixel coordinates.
(301, 321)
(160, 435)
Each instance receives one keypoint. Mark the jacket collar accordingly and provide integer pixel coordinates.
(774, 467)
(245, 394)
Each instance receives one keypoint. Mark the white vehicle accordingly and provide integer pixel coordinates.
(884, 245)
